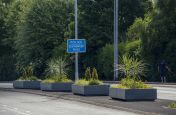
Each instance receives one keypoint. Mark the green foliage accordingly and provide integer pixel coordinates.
(139, 27)
(60, 51)
(128, 83)
(172, 105)
(43, 29)
(106, 56)
(88, 75)
(7, 60)
(30, 78)
(28, 74)
(28, 71)
(159, 38)
(105, 61)
(91, 78)
(57, 71)
(133, 9)
(96, 26)
(132, 68)
(132, 48)
(95, 82)
(94, 74)
(11, 12)
(91, 74)
(82, 82)
(56, 67)
(7, 67)
(58, 78)
(35, 31)
(15, 17)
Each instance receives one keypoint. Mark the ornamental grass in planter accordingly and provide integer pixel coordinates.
(90, 85)
(132, 88)
(57, 79)
(28, 80)
(172, 105)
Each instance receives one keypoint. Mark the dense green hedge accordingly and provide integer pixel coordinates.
(106, 56)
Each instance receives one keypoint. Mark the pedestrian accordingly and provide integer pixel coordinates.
(162, 69)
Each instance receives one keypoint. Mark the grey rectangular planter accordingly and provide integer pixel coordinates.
(91, 90)
(66, 87)
(133, 94)
(26, 84)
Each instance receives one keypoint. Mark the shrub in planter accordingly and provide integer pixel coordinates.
(91, 85)
(57, 80)
(172, 105)
(131, 87)
(27, 81)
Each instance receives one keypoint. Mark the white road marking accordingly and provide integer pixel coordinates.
(168, 92)
(9, 108)
(3, 110)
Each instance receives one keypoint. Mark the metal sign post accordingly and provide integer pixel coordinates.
(76, 37)
(115, 40)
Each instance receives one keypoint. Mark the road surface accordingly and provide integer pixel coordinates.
(168, 93)
(15, 103)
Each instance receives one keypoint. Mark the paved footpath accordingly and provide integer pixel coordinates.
(141, 107)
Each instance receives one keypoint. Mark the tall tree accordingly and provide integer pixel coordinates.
(43, 29)
(7, 67)
(96, 23)
(159, 38)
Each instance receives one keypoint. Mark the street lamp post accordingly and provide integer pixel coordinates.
(115, 40)
(76, 37)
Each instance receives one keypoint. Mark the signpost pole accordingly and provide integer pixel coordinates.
(115, 40)
(76, 37)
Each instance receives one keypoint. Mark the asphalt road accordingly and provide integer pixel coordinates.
(164, 92)
(168, 93)
(15, 103)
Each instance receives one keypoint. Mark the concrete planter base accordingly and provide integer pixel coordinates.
(26, 84)
(66, 87)
(91, 90)
(133, 94)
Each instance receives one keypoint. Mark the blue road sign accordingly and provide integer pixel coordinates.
(76, 45)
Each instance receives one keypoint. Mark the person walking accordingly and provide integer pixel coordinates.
(162, 69)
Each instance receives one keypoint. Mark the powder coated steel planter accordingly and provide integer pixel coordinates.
(62, 86)
(26, 84)
(91, 90)
(133, 94)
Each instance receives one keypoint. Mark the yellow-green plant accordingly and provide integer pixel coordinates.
(57, 67)
(133, 68)
(55, 79)
(28, 74)
(88, 73)
(82, 82)
(91, 78)
(94, 74)
(28, 71)
(95, 82)
(131, 84)
(57, 71)
(172, 105)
